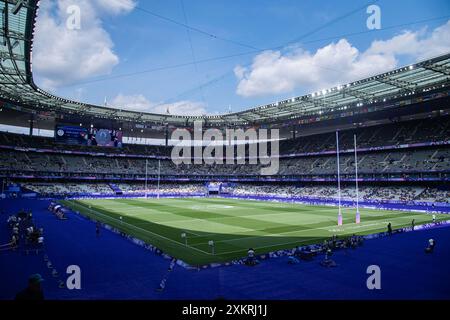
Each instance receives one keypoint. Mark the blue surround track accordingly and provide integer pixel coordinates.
(114, 268)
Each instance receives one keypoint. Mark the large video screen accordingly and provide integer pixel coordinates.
(88, 136)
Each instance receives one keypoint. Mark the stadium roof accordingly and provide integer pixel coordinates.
(17, 21)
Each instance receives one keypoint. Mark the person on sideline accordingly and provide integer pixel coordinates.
(34, 290)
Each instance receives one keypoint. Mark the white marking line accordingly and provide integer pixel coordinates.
(214, 205)
(143, 212)
(263, 236)
(192, 247)
(169, 223)
(282, 233)
(273, 245)
(363, 228)
(173, 223)
(144, 230)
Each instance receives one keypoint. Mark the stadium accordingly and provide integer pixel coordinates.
(361, 179)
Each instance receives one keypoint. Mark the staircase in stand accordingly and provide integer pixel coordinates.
(115, 188)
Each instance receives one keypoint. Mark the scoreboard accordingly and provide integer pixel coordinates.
(88, 136)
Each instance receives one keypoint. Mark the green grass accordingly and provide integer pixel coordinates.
(234, 225)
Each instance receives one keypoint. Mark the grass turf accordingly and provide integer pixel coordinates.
(234, 225)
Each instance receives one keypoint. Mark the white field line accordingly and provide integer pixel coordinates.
(192, 247)
(144, 223)
(342, 229)
(272, 245)
(217, 220)
(144, 211)
(362, 228)
(195, 235)
(358, 227)
(175, 221)
(264, 205)
(144, 230)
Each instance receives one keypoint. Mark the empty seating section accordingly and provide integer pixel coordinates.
(366, 193)
(129, 164)
(398, 161)
(69, 188)
(65, 189)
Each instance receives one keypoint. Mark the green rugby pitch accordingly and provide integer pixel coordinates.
(234, 225)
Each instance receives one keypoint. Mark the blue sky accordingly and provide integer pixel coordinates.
(117, 38)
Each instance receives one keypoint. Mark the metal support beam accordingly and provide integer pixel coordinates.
(437, 68)
(402, 84)
(357, 94)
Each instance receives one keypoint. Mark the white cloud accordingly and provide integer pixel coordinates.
(63, 56)
(273, 72)
(140, 103)
(182, 108)
(116, 6)
(415, 44)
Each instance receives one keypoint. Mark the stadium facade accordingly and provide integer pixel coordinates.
(400, 118)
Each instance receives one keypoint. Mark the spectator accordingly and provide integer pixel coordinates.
(251, 261)
(15, 229)
(293, 260)
(297, 251)
(353, 241)
(431, 245)
(14, 241)
(34, 290)
(328, 262)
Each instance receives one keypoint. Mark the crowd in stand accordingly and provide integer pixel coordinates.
(166, 188)
(374, 193)
(394, 133)
(402, 194)
(403, 163)
(428, 130)
(402, 160)
(435, 195)
(66, 189)
(80, 189)
(427, 160)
